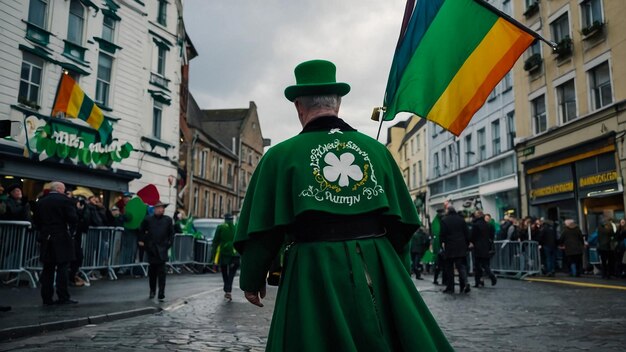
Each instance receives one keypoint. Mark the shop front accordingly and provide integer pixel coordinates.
(45, 149)
(582, 183)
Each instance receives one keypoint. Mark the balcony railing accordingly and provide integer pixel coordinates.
(159, 80)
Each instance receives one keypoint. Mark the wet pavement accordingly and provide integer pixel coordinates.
(511, 316)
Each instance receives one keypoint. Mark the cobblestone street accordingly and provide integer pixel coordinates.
(512, 316)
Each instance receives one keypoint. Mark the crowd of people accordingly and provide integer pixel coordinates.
(563, 248)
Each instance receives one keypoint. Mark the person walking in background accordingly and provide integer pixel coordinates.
(605, 238)
(156, 235)
(225, 255)
(455, 239)
(620, 250)
(547, 241)
(56, 213)
(340, 197)
(482, 238)
(419, 244)
(573, 243)
(435, 247)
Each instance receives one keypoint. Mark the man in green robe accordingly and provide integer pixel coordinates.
(340, 200)
(225, 255)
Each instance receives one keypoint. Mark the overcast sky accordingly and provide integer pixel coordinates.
(248, 50)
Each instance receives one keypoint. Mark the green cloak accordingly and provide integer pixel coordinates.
(353, 295)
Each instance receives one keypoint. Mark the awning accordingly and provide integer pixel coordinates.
(113, 180)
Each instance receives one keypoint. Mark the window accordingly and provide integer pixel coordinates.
(412, 147)
(436, 168)
(451, 156)
(506, 7)
(195, 200)
(30, 80)
(510, 125)
(444, 160)
(538, 109)
(420, 174)
(157, 116)
(600, 81)
(468, 149)
(493, 94)
(205, 201)
(404, 150)
(213, 209)
(414, 176)
(507, 82)
(417, 141)
(162, 12)
(108, 29)
(220, 170)
(214, 168)
(560, 28)
(76, 22)
(204, 155)
(457, 159)
(566, 96)
(103, 82)
(495, 136)
(161, 60)
(230, 175)
(37, 12)
(482, 148)
(591, 12)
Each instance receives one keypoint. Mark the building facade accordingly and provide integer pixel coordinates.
(407, 143)
(210, 169)
(570, 102)
(221, 149)
(125, 55)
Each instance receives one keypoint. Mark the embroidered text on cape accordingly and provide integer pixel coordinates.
(343, 174)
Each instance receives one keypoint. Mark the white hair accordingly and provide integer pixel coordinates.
(320, 101)
(57, 186)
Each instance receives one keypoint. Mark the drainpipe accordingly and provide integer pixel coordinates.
(193, 162)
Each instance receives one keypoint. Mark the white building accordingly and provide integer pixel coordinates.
(126, 55)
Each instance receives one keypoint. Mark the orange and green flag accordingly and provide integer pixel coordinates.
(450, 56)
(73, 102)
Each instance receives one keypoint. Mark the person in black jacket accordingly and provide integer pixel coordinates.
(56, 212)
(547, 241)
(454, 242)
(419, 245)
(16, 208)
(156, 235)
(482, 239)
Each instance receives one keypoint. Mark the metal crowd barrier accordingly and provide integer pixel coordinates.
(12, 250)
(516, 259)
(182, 253)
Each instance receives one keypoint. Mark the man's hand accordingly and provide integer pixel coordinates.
(140, 243)
(253, 297)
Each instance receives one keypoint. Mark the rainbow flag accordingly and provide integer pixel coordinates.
(72, 101)
(450, 56)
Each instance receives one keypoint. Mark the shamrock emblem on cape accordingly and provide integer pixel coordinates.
(341, 168)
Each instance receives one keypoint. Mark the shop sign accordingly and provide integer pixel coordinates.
(528, 151)
(597, 179)
(66, 141)
(552, 189)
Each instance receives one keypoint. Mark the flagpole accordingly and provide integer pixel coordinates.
(380, 117)
(516, 23)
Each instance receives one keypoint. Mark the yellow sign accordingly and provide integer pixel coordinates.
(552, 189)
(597, 179)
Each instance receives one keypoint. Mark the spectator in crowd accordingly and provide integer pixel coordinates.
(419, 244)
(455, 241)
(606, 237)
(121, 203)
(95, 212)
(482, 238)
(115, 217)
(3, 205)
(156, 236)
(16, 208)
(504, 228)
(620, 250)
(56, 213)
(435, 247)
(547, 242)
(225, 255)
(573, 243)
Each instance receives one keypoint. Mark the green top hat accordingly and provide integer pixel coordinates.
(316, 77)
